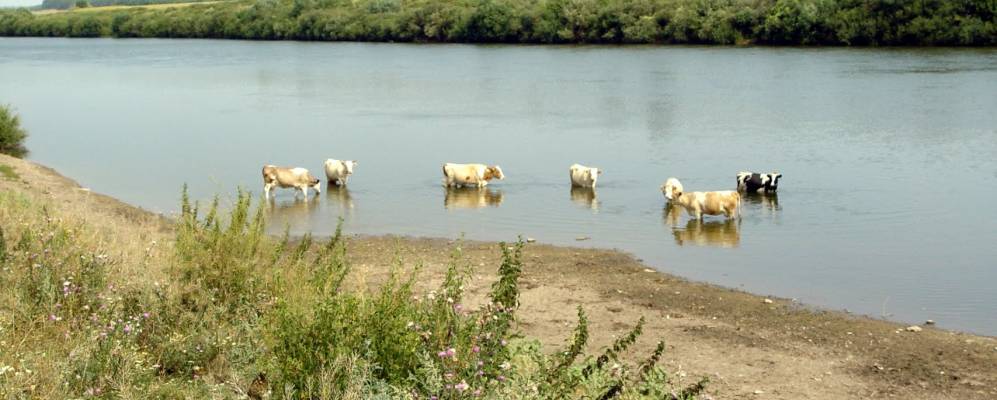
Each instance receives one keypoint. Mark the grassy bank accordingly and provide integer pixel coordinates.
(774, 22)
(221, 310)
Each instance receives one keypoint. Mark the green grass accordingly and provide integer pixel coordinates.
(243, 313)
(8, 172)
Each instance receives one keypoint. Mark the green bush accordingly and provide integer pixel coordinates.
(247, 313)
(11, 134)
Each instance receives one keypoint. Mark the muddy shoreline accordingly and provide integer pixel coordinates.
(749, 346)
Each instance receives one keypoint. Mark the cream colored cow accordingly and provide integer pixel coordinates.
(726, 202)
(478, 175)
(337, 172)
(281, 177)
(583, 176)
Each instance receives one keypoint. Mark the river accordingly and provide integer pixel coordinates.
(888, 156)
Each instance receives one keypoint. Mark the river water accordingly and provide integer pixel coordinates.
(888, 156)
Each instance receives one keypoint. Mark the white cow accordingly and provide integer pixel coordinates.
(337, 172)
(457, 175)
(583, 176)
(281, 177)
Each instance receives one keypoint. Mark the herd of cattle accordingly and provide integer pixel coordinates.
(725, 202)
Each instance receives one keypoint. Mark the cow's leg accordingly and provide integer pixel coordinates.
(266, 189)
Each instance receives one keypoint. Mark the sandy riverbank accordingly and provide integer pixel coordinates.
(748, 347)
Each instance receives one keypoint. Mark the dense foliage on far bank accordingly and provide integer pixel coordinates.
(777, 22)
(11, 134)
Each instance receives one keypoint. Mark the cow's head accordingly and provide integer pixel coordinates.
(743, 176)
(593, 174)
(672, 189)
(494, 172)
(349, 165)
(773, 180)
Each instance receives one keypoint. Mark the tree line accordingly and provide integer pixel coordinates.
(771, 22)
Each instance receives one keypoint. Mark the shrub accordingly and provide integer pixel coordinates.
(11, 134)
(247, 313)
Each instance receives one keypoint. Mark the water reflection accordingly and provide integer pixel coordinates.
(340, 197)
(585, 197)
(767, 203)
(472, 197)
(725, 233)
(293, 212)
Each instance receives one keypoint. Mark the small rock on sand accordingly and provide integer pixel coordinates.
(913, 328)
(929, 322)
(767, 301)
(649, 270)
(530, 240)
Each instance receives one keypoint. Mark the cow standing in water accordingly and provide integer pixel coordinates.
(750, 182)
(726, 202)
(337, 172)
(281, 177)
(467, 175)
(582, 176)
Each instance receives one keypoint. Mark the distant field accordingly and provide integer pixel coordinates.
(124, 7)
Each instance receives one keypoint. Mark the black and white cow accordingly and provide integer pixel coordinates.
(751, 182)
